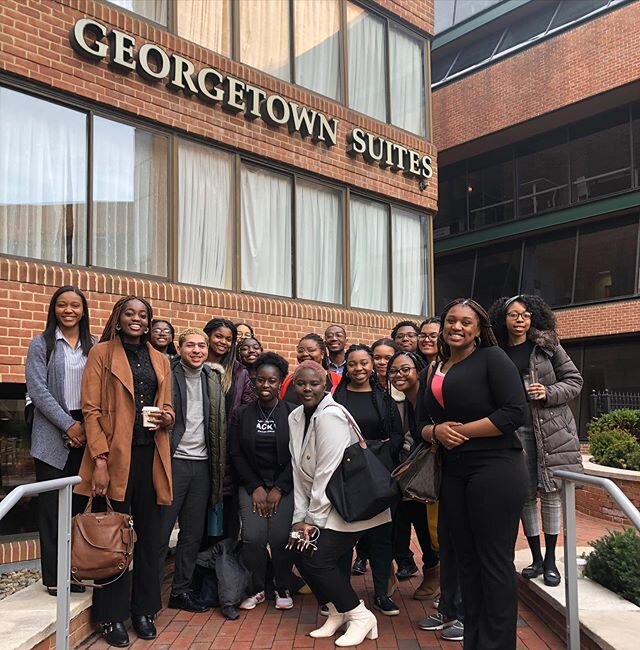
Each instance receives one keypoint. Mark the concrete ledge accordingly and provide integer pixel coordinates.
(607, 621)
(614, 473)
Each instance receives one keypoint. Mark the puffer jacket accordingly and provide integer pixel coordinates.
(553, 424)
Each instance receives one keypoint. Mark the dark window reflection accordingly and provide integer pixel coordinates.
(497, 272)
(453, 278)
(490, 188)
(452, 202)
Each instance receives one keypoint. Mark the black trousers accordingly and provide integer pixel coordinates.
(48, 512)
(325, 572)
(481, 500)
(137, 591)
(191, 489)
(379, 549)
(450, 591)
(407, 514)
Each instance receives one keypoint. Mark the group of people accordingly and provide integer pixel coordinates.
(209, 430)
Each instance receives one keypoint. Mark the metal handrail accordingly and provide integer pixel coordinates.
(63, 487)
(569, 480)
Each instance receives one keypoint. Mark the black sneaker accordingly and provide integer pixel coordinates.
(406, 572)
(187, 602)
(385, 605)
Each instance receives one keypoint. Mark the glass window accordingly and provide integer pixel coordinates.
(409, 261)
(443, 10)
(264, 36)
(318, 242)
(129, 230)
(543, 173)
(266, 231)
(205, 215)
(155, 10)
(636, 144)
(454, 277)
(440, 64)
(205, 23)
(43, 179)
(406, 65)
(467, 8)
(497, 272)
(571, 10)
(490, 189)
(606, 265)
(475, 53)
(452, 201)
(367, 61)
(317, 44)
(548, 267)
(369, 258)
(532, 25)
(600, 155)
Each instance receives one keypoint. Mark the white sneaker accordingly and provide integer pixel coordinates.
(252, 601)
(284, 600)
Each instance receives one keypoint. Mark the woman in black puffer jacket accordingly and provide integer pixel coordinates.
(525, 328)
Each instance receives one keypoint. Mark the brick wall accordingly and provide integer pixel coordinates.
(596, 502)
(416, 12)
(599, 320)
(593, 58)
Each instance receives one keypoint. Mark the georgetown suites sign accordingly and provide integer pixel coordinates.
(96, 42)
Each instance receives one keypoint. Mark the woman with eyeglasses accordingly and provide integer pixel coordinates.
(428, 339)
(525, 329)
(245, 331)
(405, 335)
(162, 336)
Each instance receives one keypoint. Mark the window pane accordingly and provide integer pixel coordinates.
(600, 155)
(477, 52)
(317, 42)
(206, 23)
(571, 10)
(636, 144)
(155, 10)
(548, 267)
(264, 36)
(543, 173)
(409, 262)
(490, 189)
(452, 202)
(454, 277)
(443, 10)
(531, 26)
(367, 92)
(318, 242)
(607, 261)
(406, 65)
(467, 8)
(440, 64)
(266, 231)
(43, 179)
(129, 198)
(368, 237)
(497, 273)
(205, 226)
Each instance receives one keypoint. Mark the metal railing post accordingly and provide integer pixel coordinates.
(572, 620)
(63, 614)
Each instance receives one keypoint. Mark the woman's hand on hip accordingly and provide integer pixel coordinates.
(447, 435)
(100, 479)
(259, 499)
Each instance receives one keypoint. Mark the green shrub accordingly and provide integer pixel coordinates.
(615, 563)
(614, 439)
(625, 419)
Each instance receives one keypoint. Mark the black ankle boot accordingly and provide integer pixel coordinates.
(143, 625)
(115, 634)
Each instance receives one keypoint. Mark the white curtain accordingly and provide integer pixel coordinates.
(206, 22)
(368, 244)
(266, 231)
(129, 198)
(205, 226)
(409, 274)
(318, 243)
(264, 36)
(317, 42)
(366, 62)
(155, 10)
(406, 63)
(43, 179)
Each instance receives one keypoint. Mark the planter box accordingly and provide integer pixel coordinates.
(594, 501)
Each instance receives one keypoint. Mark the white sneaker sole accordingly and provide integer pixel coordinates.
(288, 606)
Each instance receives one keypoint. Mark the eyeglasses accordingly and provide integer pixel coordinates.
(432, 337)
(515, 315)
(408, 335)
(404, 371)
(158, 330)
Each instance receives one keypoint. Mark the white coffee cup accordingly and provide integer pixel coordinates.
(146, 422)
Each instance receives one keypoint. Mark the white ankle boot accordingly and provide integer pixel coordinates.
(334, 622)
(361, 624)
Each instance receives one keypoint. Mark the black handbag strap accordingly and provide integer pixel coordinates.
(354, 425)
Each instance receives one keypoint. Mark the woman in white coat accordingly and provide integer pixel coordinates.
(320, 432)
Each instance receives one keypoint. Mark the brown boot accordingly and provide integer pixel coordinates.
(430, 584)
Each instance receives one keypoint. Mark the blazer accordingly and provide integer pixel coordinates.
(109, 414)
(45, 385)
(314, 458)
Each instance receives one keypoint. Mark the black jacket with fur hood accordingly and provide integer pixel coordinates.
(553, 423)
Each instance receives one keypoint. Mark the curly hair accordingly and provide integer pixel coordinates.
(404, 323)
(112, 326)
(274, 360)
(487, 337)
(542, 317)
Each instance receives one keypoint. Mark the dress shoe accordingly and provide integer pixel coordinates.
(115, 634)
(406, 572)
(533, 570)
(230, 612)
(143, 625)
(186, 601)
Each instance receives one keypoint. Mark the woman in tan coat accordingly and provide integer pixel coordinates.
(126, 460)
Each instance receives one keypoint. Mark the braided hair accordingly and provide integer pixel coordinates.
(228, 359)
(312, 336)
(487, 338)
(417, 359)
(111, 329)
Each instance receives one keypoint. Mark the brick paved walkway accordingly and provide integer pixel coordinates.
(267, 628)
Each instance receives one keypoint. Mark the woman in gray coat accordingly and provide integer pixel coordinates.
(525, 327)
(55, 363)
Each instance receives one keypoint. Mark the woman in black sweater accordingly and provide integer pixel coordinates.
(472, 404)
(378, 418)
(259, 450)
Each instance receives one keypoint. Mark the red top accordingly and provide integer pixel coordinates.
(436, 386)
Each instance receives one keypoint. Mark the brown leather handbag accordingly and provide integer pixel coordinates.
(101, 545)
